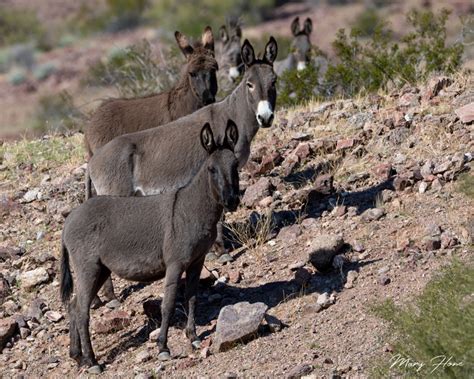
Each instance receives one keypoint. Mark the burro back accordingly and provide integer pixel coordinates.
(148, 238)
(167, 157)
(195, 88)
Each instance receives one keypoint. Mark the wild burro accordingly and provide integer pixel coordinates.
(148, 238)
(300, 50)
(197, 87)
(228, 50)
(166, 157)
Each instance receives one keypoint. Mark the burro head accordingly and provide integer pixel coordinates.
(260, 81)
(222, 166)
(201, 65)
(231, 59)
(301, 44)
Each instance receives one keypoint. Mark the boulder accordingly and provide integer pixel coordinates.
(8, 328)
(323, 249)
(237, 323)
(256, 192)
(32, 278)
(112, 322)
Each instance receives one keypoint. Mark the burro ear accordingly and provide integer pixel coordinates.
(295, 26)
(183, 44)
(223, 35)
(308, 26)
(208, 38)
(231, 134)
(207, 138)
(248, 54)
(238, 31)
(271, 50)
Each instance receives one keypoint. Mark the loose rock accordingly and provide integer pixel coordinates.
(31, 279)
(112, 322)
(237, 322)
(373, 214)
(322, 250)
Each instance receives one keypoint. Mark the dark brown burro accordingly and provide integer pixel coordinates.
(146, 239)
(196, 87)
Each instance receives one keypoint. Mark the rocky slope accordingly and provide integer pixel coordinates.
(346, 203)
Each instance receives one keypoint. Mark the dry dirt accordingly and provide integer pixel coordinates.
(375, 149)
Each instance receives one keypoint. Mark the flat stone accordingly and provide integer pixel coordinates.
(142, 356)
(466, 113)
(112, 322)
(299, 371)
(256, 192)
(31, 279)
(53, 316)
(31, 196)
(236, 323)
(373, 214)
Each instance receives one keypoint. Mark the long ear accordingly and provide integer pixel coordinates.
(223, 35)
(271, 50)
(207, 138)
(183, 43)
(295, 26)
(231, 134)
(238, 31)
(208, 38)
(308, 26)
(248, 54)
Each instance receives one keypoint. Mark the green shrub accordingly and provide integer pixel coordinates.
(17, 76)
(368, 66)
(297, 87)
(135, 72)
(367, 22)
(18, 25)
(190, 16)
(439, 323)
(57, 113)
(44, 71)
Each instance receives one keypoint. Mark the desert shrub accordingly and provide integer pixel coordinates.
(135, 71)
(18, 25)
(439, 323)
(367, 22)
(44, 71)
(190, 16)
(372, 64)
(17, 76)
(57, 113)
(297, 87)
(113, 16)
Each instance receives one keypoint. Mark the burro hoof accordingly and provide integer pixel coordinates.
(196, 344)
(95, 370)
(164, 356)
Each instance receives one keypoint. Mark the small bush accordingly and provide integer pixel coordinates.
(134, 71)
(17, 76)
(297, 87)
(438, 325)
(44, 71)
(57, 113)
(367, 22)
(18, 26)
(368, 66)
(190, 16)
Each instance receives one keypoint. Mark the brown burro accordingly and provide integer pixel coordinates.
(196, 87)
(166, 157)
(148, 238)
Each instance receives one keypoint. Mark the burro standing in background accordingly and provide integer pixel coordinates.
(146, 239)
(196, 87)
(228, 50)
(300, 54)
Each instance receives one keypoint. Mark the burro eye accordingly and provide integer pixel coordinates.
(250, 86)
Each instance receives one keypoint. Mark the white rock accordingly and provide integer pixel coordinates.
(30, 279)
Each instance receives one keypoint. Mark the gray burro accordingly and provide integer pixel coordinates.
(148, 238)
(167, 157)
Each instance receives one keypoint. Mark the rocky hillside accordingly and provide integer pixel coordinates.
(346, 203)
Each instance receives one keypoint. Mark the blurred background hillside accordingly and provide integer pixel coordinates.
(56, 55)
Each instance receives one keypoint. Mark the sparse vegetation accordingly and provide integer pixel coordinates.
(367, 22)
(367, 65)
(438, 324)
(57, 113)
(18, 25)
(134, 71)
(466, 184)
